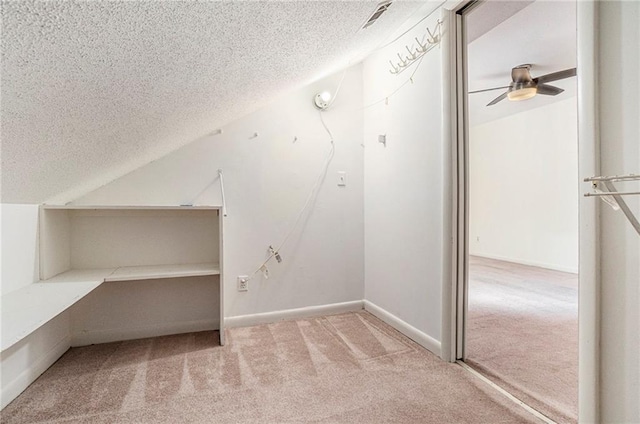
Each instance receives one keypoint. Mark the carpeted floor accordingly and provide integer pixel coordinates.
(349, 368)
(522, 333)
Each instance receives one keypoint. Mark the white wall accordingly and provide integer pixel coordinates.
(403, 188)
(19, 249)
(23, 362)
(524, 187)
(137, 309)
(267, 180)
(113, 238)
(619, 100)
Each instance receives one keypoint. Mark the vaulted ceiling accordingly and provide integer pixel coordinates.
(91, 90)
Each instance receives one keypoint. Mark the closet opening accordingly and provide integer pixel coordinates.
(518, 198)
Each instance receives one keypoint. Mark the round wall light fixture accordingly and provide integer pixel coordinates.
(322, 100)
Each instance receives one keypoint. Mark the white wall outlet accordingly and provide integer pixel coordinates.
(342, 179)
(243, 283)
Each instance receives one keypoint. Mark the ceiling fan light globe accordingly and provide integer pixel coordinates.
(522, 94)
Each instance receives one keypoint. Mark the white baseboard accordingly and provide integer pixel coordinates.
(529, 263)
(12, 389)
(164, 329)
(413, 333)
(309, 311)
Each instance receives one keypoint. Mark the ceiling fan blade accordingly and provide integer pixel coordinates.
(498, 99)
(549, 90)
(555, 76)
(521, 73)
(488, 89)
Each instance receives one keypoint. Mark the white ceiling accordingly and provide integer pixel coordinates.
(542, 34)
(92, 90)
(488, 15)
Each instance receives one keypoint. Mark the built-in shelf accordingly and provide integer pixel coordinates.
(121, 241)
(84, 246)
(134, 207)
(132, 273)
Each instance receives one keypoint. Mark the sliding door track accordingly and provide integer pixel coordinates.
(508, 395)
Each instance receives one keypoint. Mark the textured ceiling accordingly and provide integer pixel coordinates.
(542, 34)
(91, 90)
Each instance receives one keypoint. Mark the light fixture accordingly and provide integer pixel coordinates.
(322, 100)
(522, 91)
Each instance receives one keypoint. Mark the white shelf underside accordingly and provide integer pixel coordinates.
(133, 207)
(27, 309)
(130, 273)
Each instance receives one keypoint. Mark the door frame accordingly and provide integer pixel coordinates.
(456, 209)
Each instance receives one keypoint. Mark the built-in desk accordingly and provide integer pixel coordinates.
(82, 247)
(29, 308)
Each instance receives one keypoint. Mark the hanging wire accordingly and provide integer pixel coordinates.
(314, 190)
(310, 197)
(388, 96)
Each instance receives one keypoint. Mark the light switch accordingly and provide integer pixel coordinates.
(342, 179)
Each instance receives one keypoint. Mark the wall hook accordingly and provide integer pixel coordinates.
(394, 69)
(411, 56)
(402, 63)
(433, 38)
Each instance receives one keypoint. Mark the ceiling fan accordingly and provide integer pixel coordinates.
(524, 87)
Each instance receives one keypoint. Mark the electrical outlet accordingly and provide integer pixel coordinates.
(243, 283)
(342, 179)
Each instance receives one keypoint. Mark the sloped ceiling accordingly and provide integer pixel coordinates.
(92, 90)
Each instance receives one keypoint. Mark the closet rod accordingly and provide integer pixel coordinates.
(618, 193)
(631, 177)
(615, 197)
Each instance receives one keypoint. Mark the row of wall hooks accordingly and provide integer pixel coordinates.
(416, 52)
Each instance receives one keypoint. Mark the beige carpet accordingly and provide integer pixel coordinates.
(523, 333)
(349, 368)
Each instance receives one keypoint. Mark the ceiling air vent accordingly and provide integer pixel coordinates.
(380, 9)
